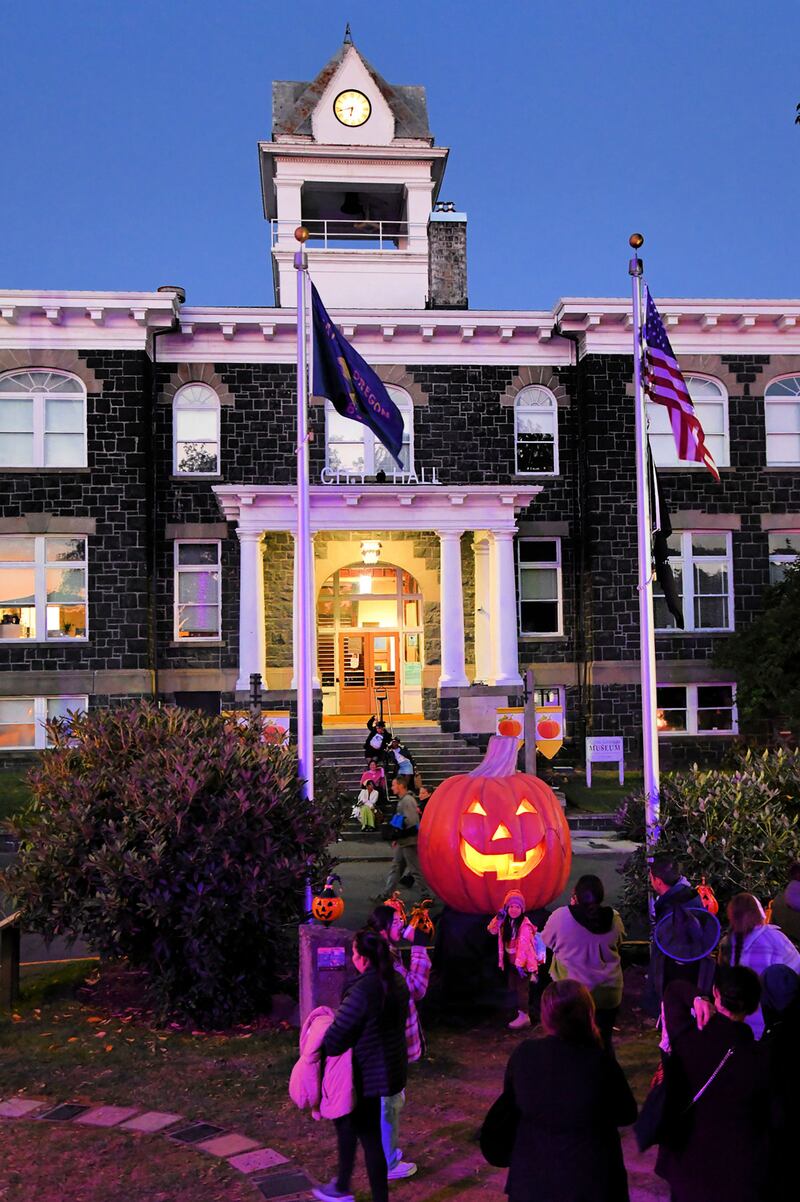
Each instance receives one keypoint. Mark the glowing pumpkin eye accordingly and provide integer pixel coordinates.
(525, 807)
(476, 808)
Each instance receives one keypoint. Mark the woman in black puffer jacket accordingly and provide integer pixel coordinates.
(371, 1020)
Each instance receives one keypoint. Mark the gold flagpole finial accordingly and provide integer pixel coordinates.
(636, 241)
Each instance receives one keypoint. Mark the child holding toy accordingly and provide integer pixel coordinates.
(520, 951)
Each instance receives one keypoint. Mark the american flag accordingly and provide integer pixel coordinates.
(665, 385)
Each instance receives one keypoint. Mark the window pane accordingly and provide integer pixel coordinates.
(777, 572)
(66, 621)
(785, 542)
(535, 453)
(198, 553)
(16, 415)
(200, 457)
(197, 425)
(715, 719)
(700, 389)
(61, 707)
(385, 462)
(17, 726)
(714, 696)
(341, 429)
(64, 450)
(711, 418)
(671, 708)
(196, 396)
(783, 448)
(16, 586)
(539, 584)
(60, 549)
(711, 612)
(545, 551)
(66, 585)
(710, 579)
(782, 417)
(16, 450)
(198, 620)
(709, 544)
(662, 618)
(202, 587)
(346, 457)
(16, 550)
(789, 386)
(719, 451)
(540, 617)
(64, 416)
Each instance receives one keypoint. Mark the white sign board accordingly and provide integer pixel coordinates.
(604, 751)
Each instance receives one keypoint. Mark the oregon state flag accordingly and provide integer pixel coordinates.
(350, 384)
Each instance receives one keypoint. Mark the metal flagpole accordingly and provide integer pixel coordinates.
(647, 646)
(304, 668)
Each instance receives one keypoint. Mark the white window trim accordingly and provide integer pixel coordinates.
(216, 410)
(39, 417)
(554, 408)
(532, 567)
(363, 435)
(40, 741)
(687, 561)
(779, 401)
(188, 639)
(679, 465)
(40, 565)
(691, 731)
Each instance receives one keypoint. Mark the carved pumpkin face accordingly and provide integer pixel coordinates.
(482, 833)
(327, 909)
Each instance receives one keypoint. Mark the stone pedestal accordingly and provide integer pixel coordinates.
(325, 966)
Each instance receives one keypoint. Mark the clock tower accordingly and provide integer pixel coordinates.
(353, 160)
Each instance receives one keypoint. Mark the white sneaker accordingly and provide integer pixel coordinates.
(522, 1020)
(403, 1168)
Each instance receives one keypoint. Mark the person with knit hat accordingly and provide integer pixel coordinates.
(520, 951)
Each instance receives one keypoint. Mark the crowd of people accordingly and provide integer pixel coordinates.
(723, 1106)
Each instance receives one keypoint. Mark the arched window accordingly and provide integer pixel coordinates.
(195, 429)
(711, 406)
(536, 431)
(42, 420)
(782, 417)
(353, 449)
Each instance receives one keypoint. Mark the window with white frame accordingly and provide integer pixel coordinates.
(22, 719)
(702, 566)
(42, 420)
(540, 603)
(696, 709)
(784, 549)
(554, 695)
(43, 587)
(536, 431)
(198, 596)
(196, 431)
(782, 419)
(352, 449)
(710, 402)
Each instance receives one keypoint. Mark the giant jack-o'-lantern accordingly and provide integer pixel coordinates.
(493, 829)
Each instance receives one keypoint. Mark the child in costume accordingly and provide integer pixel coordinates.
(520, 951)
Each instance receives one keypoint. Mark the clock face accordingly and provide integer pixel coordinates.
(352, 108)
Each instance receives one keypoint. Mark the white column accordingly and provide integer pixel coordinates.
(252, 631)
(504, 622)
(452, 611)
(483, 606)
(316, 683)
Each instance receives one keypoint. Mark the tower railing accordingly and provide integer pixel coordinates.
(349, 233)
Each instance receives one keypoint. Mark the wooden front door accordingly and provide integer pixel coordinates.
(368, 663)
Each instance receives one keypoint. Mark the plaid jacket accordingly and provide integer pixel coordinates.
(416, 977)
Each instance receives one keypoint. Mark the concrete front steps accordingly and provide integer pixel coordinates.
(437, 754)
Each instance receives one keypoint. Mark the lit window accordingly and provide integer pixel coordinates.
(22, 719)
(198, 598)
(696, 709)
(536, 431)
(540, 586)
(195, 425)
(711, 407)
(42, 420)
(42, 587)
(784, 549)
(555, 695)
(702, 566)
(782, 418)
(352, 449)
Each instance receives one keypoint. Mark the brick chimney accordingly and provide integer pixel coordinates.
(447, 258)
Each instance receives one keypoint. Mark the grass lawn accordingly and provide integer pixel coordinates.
(69, 1048)
(14, 791)
(606, 793)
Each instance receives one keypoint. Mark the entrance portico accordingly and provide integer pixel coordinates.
(488, 512)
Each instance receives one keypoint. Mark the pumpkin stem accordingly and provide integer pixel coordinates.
(500, 758)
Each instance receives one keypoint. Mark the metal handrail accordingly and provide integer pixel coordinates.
(329, 234)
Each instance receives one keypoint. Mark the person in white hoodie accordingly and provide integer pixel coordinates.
(753, 944)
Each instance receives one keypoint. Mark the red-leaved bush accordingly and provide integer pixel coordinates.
(179, 842)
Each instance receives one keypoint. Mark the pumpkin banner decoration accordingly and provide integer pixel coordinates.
(707, 897)
(493, 828)
(328, 906)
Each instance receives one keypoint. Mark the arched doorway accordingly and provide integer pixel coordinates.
(370, 641)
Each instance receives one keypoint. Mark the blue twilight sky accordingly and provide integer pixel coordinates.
(129, 129)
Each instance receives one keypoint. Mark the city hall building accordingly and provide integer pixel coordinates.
(147, 469)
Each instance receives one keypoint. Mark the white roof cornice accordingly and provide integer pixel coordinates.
(69, 320)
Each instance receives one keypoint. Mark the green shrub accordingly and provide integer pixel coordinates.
(179, 842)
(739, 829)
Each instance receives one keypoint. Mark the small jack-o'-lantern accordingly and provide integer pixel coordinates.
(328, 906)
(484, 832)
(509, 726)
(706, 895)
